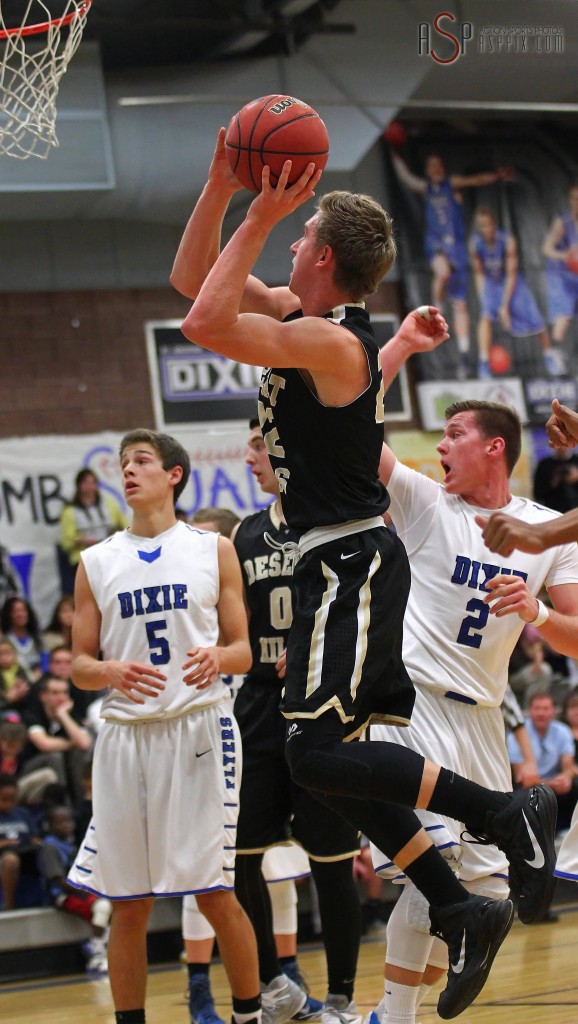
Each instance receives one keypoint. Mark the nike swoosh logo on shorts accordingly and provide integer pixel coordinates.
(350, 555)
(203, 752)
(458, 968)
(538, 858)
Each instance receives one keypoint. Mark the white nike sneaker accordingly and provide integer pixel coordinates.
(474, 931)
(338, 1010)
(281, 999)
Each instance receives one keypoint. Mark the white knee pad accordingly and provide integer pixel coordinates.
(284, 905)
(101, 911)
(408, 936)
(490, 886)
(194, 924)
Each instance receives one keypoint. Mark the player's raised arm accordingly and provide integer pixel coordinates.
(200, 245)
(562, 427)
(422, 330)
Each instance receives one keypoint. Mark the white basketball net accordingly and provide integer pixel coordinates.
(33, 59)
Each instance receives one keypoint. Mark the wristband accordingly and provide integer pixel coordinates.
(542, 616)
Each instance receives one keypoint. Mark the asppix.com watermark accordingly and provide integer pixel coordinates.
(446, 38)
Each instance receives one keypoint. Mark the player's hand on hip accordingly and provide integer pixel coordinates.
(503, 534)
(509, 595)
(204, 665)
(135, 680)
(562, 427)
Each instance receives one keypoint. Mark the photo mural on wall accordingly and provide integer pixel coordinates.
(486, 214)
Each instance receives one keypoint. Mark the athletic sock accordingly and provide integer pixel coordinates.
(197, 969)
(245, 1010)
(434, 878)
(130, 1017)
(422, 992)
(340, 922)
(464, 800)
(399, 1003)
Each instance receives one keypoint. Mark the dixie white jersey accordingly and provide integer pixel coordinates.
(451, 643)
(157, 598)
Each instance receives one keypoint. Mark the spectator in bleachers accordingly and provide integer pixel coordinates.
(58, 737)
(58, 633)
(529, 671)
(89, 518)
(570, 716)
(9, 585)
(553, 745)
(56, 857)
(19, 624)
(14, 683)
(19, 842)
(31, 783)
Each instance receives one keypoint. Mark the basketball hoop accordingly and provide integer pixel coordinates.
(33, 58)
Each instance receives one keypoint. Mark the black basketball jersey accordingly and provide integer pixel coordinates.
(268, 578)
(326, 458)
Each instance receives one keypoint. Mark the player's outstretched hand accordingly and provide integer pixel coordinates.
(562, 427)
(220, 172)
(136, 681)
(503, 533)
(204, 664)
(423, 329)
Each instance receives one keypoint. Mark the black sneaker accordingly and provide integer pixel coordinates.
(474, 931)
(525, 830)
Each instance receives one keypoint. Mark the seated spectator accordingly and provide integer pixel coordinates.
(14, 683)
(553, 745)
(56, 735)
(57, 855)
(9, 585)
(19, 624)
(529, 670)
(58, 633)
(59, 667)
(526, 772)
(31, 783)
(89, 518)
(570, 716)
(19, 842)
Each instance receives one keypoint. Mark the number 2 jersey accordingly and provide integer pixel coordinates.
(157, 598)
(450, 640)
(267, 576)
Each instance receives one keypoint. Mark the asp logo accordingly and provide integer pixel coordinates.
(452, 50)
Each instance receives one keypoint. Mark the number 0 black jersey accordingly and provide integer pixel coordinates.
(268, 579)
(326, 458)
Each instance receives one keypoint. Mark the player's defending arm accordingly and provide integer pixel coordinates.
(562, 427)
(201, 243)
(509, 595)
(422, 330)
(504, 534)
(135, 680)
(232, 656)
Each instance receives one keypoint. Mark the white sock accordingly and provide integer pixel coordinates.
(422, 992)
(400, 1003)
(463, 345)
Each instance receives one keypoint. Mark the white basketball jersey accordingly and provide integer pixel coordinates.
(451, 642)
(157, 598)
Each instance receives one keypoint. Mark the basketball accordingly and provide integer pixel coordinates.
(271, 130)
(572, 261)
(499, 359)
(395, 133)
